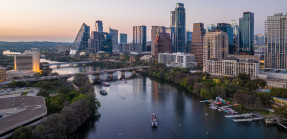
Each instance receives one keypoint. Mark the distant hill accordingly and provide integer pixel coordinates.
(29, 45)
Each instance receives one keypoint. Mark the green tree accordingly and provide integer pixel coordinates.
(22, 133)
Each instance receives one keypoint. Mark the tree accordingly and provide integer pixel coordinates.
(43, 93)
(243, 76)
(238, 82)
(22, 133)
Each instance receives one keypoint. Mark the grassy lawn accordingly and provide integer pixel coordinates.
(24, 94)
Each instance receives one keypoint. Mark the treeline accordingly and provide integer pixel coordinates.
(68, 109)
(241, 90)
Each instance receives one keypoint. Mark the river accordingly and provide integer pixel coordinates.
(126, 111)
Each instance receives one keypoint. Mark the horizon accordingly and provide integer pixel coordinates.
(58, 21)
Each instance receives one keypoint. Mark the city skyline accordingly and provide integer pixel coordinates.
(60, 20)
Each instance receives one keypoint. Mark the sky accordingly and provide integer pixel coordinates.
(60, 20)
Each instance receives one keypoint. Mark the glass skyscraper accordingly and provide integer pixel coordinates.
(155, 30)
(276, 41)
(81, 41)
(123, 38)
(227, 29)
(139, 38)
(114, 34)
(246, 33)
(179, 19)
(99, 26)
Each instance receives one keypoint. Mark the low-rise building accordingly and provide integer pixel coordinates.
(63, 49)
(29, 60)
(279, 101)
(2, 74)
(277, 83)
(232, 67)
(9, 53)
(181, 60)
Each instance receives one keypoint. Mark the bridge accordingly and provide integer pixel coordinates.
(95, 73)
(67, 63)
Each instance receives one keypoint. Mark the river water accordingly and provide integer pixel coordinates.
(126, 112)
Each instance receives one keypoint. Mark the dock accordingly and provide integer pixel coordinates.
(239, 115)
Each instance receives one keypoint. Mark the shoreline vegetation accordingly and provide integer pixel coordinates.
(240, 90)
(67, 109)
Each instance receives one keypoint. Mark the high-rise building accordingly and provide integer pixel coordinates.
(108, 43)
(2, 74)
(99, 26)
(197, 42)
(172, 18)
(171, 30)
(97, 41)
(210, 27)
(229, 30)
(179, 18)
(215, 46)
(246, 33)
(259, 39)
(30, 60)
(154, 31)
(139, 38)
(276, 41)
(162, 44)
(188, 36)
(123, 38)
(115, 40)
(235, 28)
(81, 41)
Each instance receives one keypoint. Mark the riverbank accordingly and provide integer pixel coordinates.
(239, 90)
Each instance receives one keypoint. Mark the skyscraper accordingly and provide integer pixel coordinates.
(210, 27)
(154, 31)
(235, 28)
(227, 29)
(276, 41)
(246, 33)
(97, 41)
(81, 41)
(197, 42)
(139, 38)
(179, 18)
(162, 44)
(123, 38)
(188, 36)
(215, 45)
(115, 40)
(259, 39)
(171, 30)
(99, 26)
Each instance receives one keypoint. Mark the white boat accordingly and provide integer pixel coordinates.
(153, 120)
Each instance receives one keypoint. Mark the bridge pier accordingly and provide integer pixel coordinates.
(134, 73)
(123, 74)
(71, 65)
(58, 66)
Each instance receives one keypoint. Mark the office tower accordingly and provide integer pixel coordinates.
(115, 41)
(227, 29)
(108, 43)
(172, 18)
(2, 74)
(276, 41)
(171, 30)
(179, 17)
(246, 33)
(81, 41)
(215, 46)
(29, 60)
(139, 38)
(188, 36)
(97, 41)
(162, 44)
(123, 38)
(154, 31)
(99, 26)
(197, 42)
(210, 27)
(235, 28)
(259, 39)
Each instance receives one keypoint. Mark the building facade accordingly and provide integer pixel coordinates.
(179, 17)
(81, 41)
(155, 30)
(97, 41)
(139, 38)
(232, 67)
(177, 60)
(123, 38)
(28, 61)
(229, 31)
(99, 26)
(115, 38)
(276, 41)
(63, 49)
(197, 42)
(246, 33)
(2, 74)
(235, 28)
(162, 44)
(259, 39)
(215, 46)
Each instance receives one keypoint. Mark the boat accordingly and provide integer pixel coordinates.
(106, 84)
(103, 92)
(153, 121)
